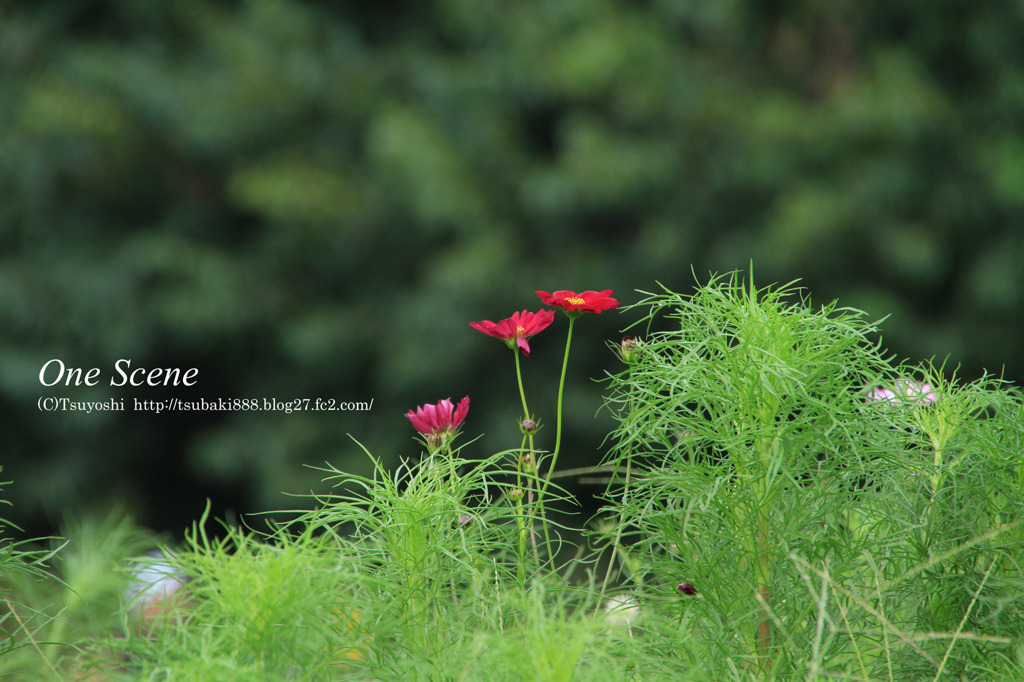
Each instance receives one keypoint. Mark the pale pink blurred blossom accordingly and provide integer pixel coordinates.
(905, 392)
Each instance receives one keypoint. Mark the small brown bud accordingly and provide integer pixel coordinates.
(627, 349)
(529, 463)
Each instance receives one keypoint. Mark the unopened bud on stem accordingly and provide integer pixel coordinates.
(628, 349)
(529, 463)
(528, 426)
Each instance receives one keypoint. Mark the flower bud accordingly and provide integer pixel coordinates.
(515, 494)
(529, 463)
(687, 588)
(627, 349)
(528, 426)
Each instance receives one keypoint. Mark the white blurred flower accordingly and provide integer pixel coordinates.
(153, 581)
(621, 610)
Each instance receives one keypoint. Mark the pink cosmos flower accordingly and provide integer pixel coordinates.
(904, 391)
(585, 302)
(441, 419)
(517, 329)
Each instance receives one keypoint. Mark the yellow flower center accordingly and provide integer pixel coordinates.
(520, 331)
(576, 300)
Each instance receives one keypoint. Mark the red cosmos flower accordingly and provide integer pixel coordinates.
(585, 302)
(517, 329)
(441, 419)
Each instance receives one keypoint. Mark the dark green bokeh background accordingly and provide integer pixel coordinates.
(313, 199)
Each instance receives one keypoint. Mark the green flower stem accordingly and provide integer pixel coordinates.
(519, 379)
(764, 491)
(558, 436)
(561, 392)
(526, 447)
(520, 518)
(935, 478)
(526, 413)
(764, 627)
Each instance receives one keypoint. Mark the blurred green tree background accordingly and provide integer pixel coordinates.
(313, 199)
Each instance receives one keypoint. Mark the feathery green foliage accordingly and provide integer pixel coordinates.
(880, 535)
(786, 503)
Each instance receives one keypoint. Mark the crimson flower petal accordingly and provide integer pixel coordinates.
(442, 418)
(460, 413)
(515, 330)
(586, 301)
